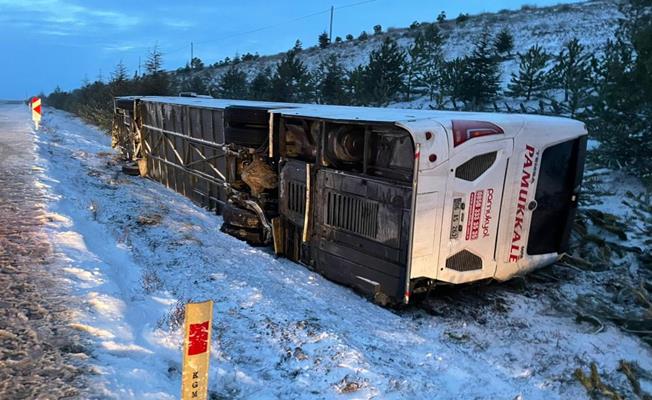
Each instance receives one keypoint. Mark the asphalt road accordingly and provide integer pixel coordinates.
(40, 357)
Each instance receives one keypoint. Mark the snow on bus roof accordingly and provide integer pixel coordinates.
(308, 110)
(362, 114)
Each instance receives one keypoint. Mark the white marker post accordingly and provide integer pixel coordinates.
(196, 350)
(36, 111)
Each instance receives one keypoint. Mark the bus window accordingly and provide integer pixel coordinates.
(299, 138)
(391, 155)
(344, 147)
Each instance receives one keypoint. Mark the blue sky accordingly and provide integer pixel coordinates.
(45, 43)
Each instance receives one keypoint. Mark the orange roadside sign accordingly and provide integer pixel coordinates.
(196, 350)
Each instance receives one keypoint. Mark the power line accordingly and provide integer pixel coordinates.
(354, 4)
(269, 26)
(328, 10)
(321, 12)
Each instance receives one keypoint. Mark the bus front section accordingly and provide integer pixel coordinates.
(498, 200)
(541, 194)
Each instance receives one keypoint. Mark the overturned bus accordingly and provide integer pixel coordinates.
(388, 201)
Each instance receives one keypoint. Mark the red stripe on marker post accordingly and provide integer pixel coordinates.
(36, 111)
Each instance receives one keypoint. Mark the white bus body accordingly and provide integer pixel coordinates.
(495, 193)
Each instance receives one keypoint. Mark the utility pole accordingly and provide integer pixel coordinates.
(330, 33)
(192, 54)
(139, 66)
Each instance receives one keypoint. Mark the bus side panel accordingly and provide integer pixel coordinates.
(361, 231)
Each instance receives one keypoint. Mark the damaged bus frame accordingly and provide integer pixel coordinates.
(387, 201)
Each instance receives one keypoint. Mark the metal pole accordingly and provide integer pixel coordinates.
(330, 33)
(413, 214)
(192, 54)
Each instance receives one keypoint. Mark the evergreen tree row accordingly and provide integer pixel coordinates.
(391, 74)
(611, 92)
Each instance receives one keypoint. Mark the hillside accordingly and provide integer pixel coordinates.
(592, 22)
(564, 60)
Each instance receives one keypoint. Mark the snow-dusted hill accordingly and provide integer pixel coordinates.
(592, 22)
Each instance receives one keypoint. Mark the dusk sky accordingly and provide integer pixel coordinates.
(45, 43)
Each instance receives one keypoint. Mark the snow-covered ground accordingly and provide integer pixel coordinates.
(134, 252)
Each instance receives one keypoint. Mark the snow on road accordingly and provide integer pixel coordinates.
(134, 252)
(40, 357)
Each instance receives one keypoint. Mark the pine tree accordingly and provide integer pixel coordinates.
(572, 74)
(194, 84)
(331, 81)
(291, 81)
(357, 86)
(441, 17)
(385, 72)
(431, 76)
(154, 63)
(423, 72)
(298, 46)
(196, 64)
(378, 29)
(621, 111)
(453, 79)
(156, 82)
(482, 74)
(462, 18)
(233, 84)
(184, 69)
(119, 80)
(324, 40)
(349, 37)
(432, 35)
(504, 43)
(363, 36)
(531, 78)
(119, 75)
(417, 63)
(261, 86)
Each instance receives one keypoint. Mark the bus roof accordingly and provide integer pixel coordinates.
(401, 116)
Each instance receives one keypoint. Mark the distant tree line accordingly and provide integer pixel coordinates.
(611, 90)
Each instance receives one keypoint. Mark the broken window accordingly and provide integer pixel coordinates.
(344, 147)
(390, 155)
(299, 139)
(382, 151)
